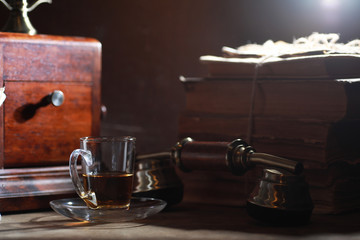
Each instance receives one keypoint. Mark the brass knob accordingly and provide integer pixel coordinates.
(56, 98)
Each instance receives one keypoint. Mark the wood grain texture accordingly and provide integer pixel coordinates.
(49, 136)
(1, 112)
(33, 188)
(96, 90)
(34, 136)
(33, 67)
(49, 58)
(300, 99)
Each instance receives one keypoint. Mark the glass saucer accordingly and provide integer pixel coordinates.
(76, 208)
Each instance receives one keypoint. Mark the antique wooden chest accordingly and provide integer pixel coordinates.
(37, 134)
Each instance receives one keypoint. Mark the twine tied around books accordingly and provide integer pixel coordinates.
(315, 44)
(252, 101)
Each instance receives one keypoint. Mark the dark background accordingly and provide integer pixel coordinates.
(148, 44)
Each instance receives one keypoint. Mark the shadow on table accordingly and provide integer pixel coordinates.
(186, 216)
(210, 217)
(48, 222)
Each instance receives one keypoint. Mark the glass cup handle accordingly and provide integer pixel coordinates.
(86, 156)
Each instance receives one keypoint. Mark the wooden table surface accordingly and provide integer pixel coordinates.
(184, 221)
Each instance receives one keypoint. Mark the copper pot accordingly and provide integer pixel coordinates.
(156, 178)
(280, 198)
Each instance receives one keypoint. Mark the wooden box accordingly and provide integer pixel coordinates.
(36, 138)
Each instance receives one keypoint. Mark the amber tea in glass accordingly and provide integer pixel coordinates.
(111, 189)
(107, 171)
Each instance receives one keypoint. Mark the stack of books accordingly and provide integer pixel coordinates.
(301, 108)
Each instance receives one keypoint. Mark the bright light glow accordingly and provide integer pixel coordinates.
(330, 3)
